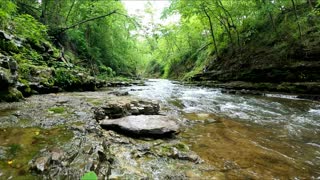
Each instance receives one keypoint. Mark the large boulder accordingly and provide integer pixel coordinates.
(142, 125)
(8, 79)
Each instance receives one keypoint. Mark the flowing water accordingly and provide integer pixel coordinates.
(243, 136)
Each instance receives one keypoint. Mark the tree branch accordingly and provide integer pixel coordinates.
(135, 23)
(66, 21)
(86, 20)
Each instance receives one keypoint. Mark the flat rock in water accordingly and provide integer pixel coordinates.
(142, 125)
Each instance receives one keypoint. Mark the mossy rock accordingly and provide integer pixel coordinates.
(74, 79)
(8, 46)
(11, 95)
(24, 88)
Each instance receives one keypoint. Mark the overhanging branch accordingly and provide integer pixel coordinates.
(85, 21)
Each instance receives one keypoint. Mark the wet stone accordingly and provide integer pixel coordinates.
(57, 154)
(188, 156)
(119, 110)
(41, 163)
(142, 125)
(119, 93)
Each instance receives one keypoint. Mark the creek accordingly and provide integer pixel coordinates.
(243, 135)
(236, 136)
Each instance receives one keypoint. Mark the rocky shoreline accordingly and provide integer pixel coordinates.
(66, 139)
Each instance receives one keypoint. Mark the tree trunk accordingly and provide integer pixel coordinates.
(219, 18)
(297, 19)
(233, 26)
(271, 18)
(211, 31)
(67, 18)
(85, 21)
(310, 4)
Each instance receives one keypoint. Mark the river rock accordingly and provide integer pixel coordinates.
(119, 93)
(143, 125)
(57, 154)
(119, 109)
(41, 163)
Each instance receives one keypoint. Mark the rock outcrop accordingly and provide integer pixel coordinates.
(8, 79)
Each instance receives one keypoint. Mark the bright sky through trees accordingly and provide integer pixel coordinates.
(137, 8)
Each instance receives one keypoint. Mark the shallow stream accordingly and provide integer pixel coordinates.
(244, 136)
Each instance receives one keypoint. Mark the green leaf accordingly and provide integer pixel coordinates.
(89, 176)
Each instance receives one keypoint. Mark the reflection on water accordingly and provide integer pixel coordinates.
(247, 136)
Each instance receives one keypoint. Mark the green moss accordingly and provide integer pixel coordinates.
(57, 110)
(182, 147)
(165, 150)
(26, 70)
(20, 57)
(11, 95)
(8, 46)
(95, 101)
(26, 91)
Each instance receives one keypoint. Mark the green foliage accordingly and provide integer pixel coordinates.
(27, 27)
(89, 176)
(210, 32)
(104, 41)
(7, 9)
(8, 46)
(29, 56)
(107, 71)
(64, 77)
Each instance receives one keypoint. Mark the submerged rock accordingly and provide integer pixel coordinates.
(143, 125)
(241, 92)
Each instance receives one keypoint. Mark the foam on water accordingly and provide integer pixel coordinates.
(273, 109)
